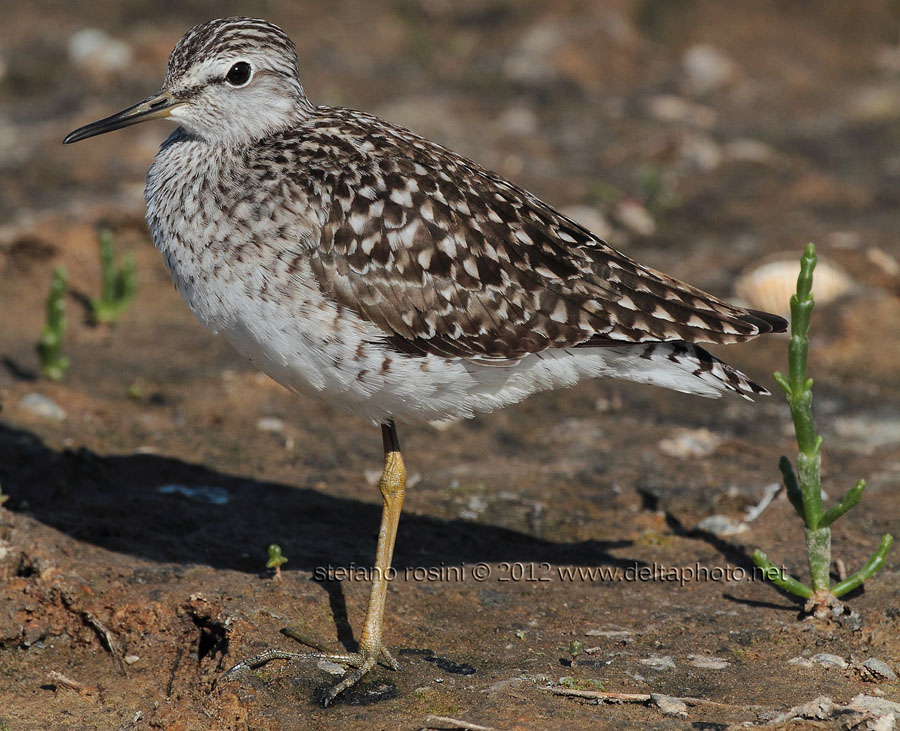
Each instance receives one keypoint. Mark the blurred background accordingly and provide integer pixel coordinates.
(707, 139)
(704, 138)
(699, 128)
(709, 128)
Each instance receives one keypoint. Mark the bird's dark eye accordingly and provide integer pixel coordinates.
(239, 74)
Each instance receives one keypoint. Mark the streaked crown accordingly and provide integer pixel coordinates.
(223, 39)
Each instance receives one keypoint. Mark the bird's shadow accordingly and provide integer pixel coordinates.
(115, 502)
(738, 556)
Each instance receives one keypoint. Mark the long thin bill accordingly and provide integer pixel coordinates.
(157, 106)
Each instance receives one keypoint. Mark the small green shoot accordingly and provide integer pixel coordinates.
(49, 347)
(117, 284)
(656, 189)
(276, 560)
(580, 683)
(602, 192)
(803, 486)
(576, 647)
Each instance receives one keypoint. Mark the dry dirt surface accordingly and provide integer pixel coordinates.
(701, 138)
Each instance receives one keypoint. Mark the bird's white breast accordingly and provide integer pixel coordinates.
(241, 265)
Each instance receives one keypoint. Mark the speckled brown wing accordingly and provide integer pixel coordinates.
(450, 259)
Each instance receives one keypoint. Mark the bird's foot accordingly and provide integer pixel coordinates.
(361, 662)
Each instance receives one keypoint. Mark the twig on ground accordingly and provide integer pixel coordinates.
(60, 679)
(107, 638)
(605, 696)
(770, 492)
(455, 723)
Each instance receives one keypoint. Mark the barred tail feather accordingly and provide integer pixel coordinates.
(682, 367)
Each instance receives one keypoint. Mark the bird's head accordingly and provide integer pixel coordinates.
(230, 81)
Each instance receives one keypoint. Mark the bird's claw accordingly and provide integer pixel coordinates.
(362, 662)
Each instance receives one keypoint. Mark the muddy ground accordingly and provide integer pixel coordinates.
(121, 604)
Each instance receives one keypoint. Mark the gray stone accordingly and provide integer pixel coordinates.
(657, 662)
(668, 705)
(879, 668)
(93, 49)
(706, 69)
(42, 406)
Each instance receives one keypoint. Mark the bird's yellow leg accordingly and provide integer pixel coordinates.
(371, 649)
(393, 488)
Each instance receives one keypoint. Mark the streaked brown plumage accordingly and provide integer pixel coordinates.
(449, 258)
(356, 261)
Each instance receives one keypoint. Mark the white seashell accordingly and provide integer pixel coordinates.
(769, 286)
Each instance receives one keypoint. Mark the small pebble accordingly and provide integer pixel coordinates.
(875, 104)
(864, 702)
(721, 525)
(671, 108)
(42, 406)
(656, 662)
(637, 219)
(612, 631)
(591, 218)
(131, 659)
(884, 261)
(93, 49)
(330, 667)
(828, 660)
(687, 443)
(820, 708)
(884, 722)
(518, 120)
(748, 150)
(701, 152)
(865, 434)
(270, 423)
(849, 622)
(823, 659)
(879, 668)
(844, 239)
(443, 424)
(668, 705)
(532, 61)
(708, 663)
(475, 506)
(706, 69)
